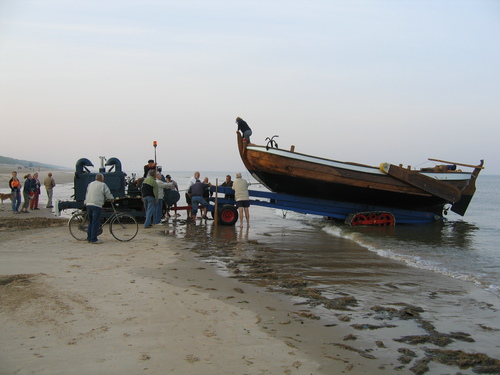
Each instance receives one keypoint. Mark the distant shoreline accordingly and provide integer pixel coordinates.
(61, 176)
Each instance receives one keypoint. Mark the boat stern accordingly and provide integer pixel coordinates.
(461, 206)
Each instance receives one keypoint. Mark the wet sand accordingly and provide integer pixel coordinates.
(154, 306)
(405, 319)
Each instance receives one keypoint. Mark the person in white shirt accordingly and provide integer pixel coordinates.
(159, 208)
(97, 193)
(240, 187)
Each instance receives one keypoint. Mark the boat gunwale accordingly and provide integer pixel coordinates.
(362, 168)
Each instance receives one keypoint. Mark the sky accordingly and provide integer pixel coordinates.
(359, 81)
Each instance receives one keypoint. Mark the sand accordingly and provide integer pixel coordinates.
(72, 307)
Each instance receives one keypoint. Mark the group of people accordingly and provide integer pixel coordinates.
(153, 191)
(29, 193)
(198, 192)
(197, 195)
(152, 194)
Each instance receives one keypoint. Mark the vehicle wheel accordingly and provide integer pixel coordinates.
(78, 225)
(228, 215)
(124, 227)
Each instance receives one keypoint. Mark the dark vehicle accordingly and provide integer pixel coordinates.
(126, 190)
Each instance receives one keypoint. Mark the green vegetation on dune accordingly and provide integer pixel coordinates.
(26, 163)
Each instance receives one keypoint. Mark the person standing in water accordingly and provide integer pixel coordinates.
(242, 197)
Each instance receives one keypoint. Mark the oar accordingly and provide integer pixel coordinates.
(463, 165)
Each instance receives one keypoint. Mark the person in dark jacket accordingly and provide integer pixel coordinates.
(28, 192)
(244, 129)
(151, 166)
(196, 192)
(229, 184)
(150, 197)
(34, 200)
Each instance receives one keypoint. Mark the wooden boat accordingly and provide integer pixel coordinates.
(388, 186)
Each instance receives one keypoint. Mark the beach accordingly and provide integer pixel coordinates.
(147, 306)
(161, 304)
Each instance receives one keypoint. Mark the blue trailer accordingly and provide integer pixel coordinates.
(350, 213)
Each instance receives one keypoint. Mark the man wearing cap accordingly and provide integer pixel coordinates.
(49, 184)
(148, 167)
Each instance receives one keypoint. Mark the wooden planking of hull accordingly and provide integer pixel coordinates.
(288, 172)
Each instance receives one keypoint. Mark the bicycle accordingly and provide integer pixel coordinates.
(122, 226)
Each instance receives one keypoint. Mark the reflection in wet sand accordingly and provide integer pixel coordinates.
(340, 281)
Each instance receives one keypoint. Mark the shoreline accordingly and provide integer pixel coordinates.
(61, 176)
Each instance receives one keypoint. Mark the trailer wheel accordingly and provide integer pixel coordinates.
(228, 215)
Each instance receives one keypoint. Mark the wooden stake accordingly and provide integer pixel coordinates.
(216, 210)
(463, 165)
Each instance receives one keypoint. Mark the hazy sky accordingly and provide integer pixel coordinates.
(362, 81)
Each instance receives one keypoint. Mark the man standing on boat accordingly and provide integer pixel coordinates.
(244, 128)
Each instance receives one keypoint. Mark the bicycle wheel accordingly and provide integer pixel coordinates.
(124, 227)
(78, 225)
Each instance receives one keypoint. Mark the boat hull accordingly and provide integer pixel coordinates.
(287, 172)
(294, 185)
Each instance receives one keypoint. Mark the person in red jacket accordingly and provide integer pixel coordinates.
(15, 189)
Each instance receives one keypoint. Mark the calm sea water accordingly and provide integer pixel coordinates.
(464, 248)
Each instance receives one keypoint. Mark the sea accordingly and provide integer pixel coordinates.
(464, 248)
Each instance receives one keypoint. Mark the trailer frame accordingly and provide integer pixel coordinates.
(332, 209)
